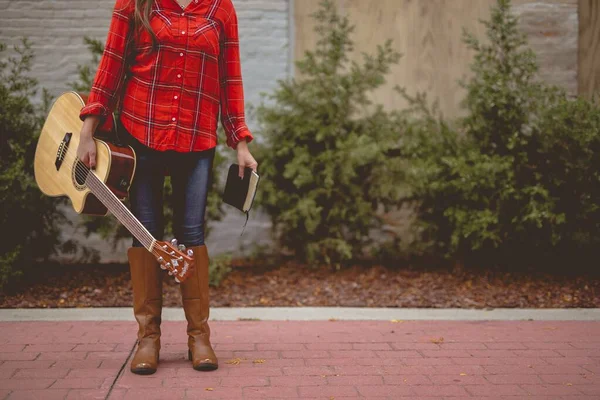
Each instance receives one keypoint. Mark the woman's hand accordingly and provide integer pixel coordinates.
(244, 158)
(86, 151)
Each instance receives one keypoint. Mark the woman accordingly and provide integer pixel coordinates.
(172, 66)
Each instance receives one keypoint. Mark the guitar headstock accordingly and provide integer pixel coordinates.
(174, 258)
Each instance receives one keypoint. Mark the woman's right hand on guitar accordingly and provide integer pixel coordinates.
(86, 151)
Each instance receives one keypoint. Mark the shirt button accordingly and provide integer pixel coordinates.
(175, 97)
(181, 54)
(179, 75)
(182, 14)
(183, 32)
(173, 119)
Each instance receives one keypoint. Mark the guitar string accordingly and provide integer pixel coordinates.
(100, 191)
(84, 172)
(110, 197)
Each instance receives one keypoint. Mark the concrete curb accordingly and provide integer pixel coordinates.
(310, 314)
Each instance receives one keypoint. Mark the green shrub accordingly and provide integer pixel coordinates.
(110, 228)
(518, 178)
(29, 220)
(325, 163)
(218, 269)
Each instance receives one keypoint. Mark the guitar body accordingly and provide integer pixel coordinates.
(55, 165)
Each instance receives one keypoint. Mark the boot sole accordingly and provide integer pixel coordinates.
(202, 367)
(143, 371)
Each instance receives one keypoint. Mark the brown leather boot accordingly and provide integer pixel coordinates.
(146, 278)
(194, 293)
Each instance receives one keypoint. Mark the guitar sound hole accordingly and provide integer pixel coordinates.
(80, 173)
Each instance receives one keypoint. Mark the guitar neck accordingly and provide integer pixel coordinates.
(118, 209)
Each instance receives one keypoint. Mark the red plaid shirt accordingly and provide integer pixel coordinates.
(170, 98)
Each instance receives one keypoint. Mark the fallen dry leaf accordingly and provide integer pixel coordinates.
(437, 341)
(259, 361)
(332, 319)
(294, 284)
(209, 389)
(463, 374)
(396, 321)
(234, 361)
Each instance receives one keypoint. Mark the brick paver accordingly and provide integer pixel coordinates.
(321, 360)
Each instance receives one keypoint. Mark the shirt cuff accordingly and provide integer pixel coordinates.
(243, 134)
(94, 108)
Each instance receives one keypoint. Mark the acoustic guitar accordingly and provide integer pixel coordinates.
(58, 172)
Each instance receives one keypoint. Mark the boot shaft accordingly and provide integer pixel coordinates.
(146, 280)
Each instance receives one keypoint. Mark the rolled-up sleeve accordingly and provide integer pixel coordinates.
(109, 76)
(231, 87)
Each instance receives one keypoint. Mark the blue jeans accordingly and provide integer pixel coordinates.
(190, 180)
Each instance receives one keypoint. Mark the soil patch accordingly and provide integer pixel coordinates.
(296, 285)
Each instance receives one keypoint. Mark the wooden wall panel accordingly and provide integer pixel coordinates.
(429, 34)
(589, 48)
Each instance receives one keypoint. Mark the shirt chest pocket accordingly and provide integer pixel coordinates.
(204, 35)
(164, 28)
(174, 30)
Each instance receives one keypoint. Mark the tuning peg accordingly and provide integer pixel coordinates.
(190, 252)
(174, 242)
(181, 247)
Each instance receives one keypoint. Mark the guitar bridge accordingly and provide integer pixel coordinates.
(62, 150)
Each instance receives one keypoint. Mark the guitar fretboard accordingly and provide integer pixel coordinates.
(118, 209)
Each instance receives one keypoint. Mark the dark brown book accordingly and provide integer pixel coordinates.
(240, 192)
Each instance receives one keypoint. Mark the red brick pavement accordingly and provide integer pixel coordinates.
(321, 360)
